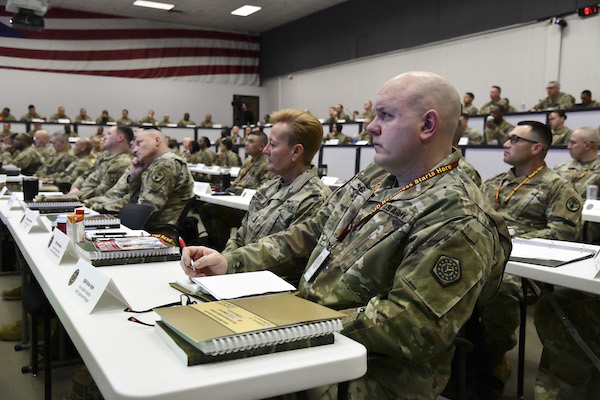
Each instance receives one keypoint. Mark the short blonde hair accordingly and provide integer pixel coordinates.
(302, 128)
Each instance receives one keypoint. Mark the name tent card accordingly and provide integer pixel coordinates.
(248, 193)
(330, 180)
(202, 188)
(13, 202)
(87, 284)
(60, 245)
(29, 220)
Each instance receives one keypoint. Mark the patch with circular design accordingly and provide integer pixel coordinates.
(74, 277)
(447, 270)
(158, 176)
(573, 204)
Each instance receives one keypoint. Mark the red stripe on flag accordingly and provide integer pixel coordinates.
(166, 72)
(130, 54)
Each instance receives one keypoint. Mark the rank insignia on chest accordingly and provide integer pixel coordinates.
(573, 204)
(447, 270)
(158, 176)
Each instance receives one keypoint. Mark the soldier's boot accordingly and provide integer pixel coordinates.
(11, 332)
(12, 294)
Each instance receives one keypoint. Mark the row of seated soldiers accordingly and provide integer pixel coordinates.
(555, 100)
(497, 128)
(104, 118)
(533, 200)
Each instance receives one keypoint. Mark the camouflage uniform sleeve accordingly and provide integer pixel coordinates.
(112, 175)
(563, 215)
(435, 289)
(158, 184)
(565, 102)
(289, 247)
(237, 240)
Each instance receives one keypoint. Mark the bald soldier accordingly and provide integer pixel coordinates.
(82, 163)
(41, 139)
(536, 203)
(583, 170)
(167, 184)
(403, 249)
(63, 157)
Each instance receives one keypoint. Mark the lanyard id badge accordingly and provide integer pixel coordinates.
(314, 267)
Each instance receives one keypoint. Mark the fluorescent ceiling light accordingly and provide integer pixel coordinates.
(153, 4)
(246, 10)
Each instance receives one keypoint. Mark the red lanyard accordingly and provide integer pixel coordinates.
(350, 227)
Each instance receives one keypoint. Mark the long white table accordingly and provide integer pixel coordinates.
(129, 361)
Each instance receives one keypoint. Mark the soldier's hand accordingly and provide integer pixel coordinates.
(206, 261)
(75, 191)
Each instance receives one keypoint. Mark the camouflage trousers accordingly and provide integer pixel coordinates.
(500, 316)
(565, 372)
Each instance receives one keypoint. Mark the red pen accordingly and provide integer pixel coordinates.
(183, 246)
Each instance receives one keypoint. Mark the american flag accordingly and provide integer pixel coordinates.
(76, 42)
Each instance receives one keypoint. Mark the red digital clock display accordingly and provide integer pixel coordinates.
(588, 11)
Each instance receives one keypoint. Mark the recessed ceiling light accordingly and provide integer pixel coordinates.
(246, 10)
(153, 4)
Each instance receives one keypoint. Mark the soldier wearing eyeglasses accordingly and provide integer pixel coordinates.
(535, 203)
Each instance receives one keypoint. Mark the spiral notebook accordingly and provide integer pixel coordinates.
(224, 327)
(128, 250)
(53, 207)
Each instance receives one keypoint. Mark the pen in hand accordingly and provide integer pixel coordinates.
(183, 246)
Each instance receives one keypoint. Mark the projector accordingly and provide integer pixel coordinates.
(28, 13)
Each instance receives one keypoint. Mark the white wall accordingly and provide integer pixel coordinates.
(515, 59)
(47, 91)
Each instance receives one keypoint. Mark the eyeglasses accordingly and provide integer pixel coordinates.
(515, 139)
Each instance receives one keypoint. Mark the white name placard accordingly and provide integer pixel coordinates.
(60, 245)
(13, 202)
(248, 193)
(30, 219)
(87, 284)
(330, 180)
(202, 188)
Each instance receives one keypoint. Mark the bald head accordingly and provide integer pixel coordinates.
(416, 117)
(83, 147)
(428, 91)
(148, 145)
(41, 138)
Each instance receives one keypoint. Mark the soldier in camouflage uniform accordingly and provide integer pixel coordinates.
(335, 132)
(366, 135)
(468, 107)
(496, 131)
(296, 193)
(23, 154)
(125, 120)
(254, 170)
(471, 134)
(560, 133)
(64, 155)
(81, 165)
(59, 115)
(495, 100)
(167, 185)
(41, 139)
(109, 167)
(31, 114)
(225, 157)
(556, 99)
(369, 113)
(207, 123)
(408, 275)
(186, 121)
(536, 203)
(587, 101)
(206, 155)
